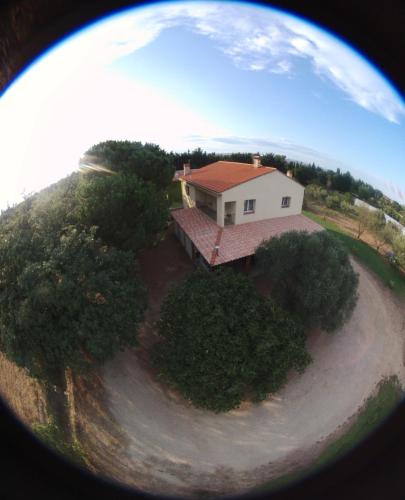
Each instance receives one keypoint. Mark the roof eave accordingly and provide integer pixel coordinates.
(196, 183)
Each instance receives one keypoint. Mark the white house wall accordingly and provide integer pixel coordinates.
(188, 200)
(268, 191)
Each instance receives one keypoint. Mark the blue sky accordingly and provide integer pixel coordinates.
(221, 76)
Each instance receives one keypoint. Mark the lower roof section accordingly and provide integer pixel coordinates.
(235, 241)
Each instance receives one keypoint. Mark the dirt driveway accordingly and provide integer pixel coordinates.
(162, 444)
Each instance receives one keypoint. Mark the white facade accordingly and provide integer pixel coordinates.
(264, 197)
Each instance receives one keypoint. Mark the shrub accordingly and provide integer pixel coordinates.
(222, 341)
(333, 201)
(311, 276)
(398, 245)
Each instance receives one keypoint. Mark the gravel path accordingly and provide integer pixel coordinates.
(172, 447)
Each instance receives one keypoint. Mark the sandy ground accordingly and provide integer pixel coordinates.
(23, 394)
(156, 441)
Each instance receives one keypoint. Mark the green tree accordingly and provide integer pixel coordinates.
(342, 182)
(127, 211)
(311, 276)
(147, 161)
(389, 233)
(333, 201)
(398, 246)
(66, 301)
(364, 219)
(222, 342)
(55, 207)
(347, 208)
(377, 226)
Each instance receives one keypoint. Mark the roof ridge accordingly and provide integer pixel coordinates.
(219, 178)
(217, 242)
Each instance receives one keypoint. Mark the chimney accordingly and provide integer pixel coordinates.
(256, 161)
(216, 248)
(290, 174)
(187, 168)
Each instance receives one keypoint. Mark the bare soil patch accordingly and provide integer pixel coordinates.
(22, 393)
(350, 226)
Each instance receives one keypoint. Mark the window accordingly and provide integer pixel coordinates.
(249, 206)
(187, 190)
(285, 202)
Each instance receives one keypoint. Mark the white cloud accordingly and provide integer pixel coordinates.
(279, 145)
(59, 107)
(255, 39)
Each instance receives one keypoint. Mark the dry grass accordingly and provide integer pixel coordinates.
(23, 394)
(348, 224)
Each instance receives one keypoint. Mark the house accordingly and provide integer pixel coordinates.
(229, 208)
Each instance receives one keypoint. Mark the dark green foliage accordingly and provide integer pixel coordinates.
(174, 195)
(386, 272)
(66, 300)
(311, 276)
(342, 182)
(128, 211)
(223, 342)
(55, 207)
(146, 161)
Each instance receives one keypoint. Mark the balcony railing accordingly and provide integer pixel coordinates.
(207, 210)
(229, 219)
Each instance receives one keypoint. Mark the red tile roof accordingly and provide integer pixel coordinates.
(235, 241)
(223, 175)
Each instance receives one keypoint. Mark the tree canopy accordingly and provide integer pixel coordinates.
(223, 342)
(66, 300)
(311, 276)
(69, 293)
(127, 211)
(147, 161)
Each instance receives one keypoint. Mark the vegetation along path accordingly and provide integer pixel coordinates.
(160, 443)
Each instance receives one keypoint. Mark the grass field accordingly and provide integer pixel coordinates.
(388, 274)
(376, 409)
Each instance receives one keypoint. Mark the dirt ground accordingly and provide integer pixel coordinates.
(22, 393)
(350, 226)
(139, 432)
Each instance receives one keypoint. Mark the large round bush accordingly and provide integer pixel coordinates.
(311, 276)
(222, 342)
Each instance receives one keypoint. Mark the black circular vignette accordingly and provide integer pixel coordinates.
(373, 470)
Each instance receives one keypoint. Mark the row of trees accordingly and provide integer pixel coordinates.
(305, 173)
(230, 343)
(331, 199)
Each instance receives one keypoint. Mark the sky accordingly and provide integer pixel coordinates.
(225, 77)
